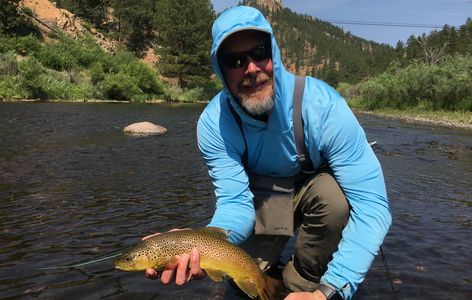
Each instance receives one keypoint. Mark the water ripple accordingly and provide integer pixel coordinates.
(73, 186)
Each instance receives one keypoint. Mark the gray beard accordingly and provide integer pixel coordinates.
(257, 107)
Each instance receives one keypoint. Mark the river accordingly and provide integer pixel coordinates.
(73, 186)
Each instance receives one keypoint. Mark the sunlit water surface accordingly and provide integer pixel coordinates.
(73, 186)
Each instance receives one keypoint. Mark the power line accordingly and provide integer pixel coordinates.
(390, 24)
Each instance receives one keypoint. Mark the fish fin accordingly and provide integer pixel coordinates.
(248, 286)
(215, 275)
(272, 288)
(216, 231)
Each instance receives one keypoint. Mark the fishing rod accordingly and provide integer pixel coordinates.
(114, 253)
(374, 145)
(389, 275)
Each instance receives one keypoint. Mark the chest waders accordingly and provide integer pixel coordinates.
(274, 196)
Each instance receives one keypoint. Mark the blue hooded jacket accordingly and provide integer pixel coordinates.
(332, 135)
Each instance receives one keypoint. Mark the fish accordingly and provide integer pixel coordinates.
(218, 257)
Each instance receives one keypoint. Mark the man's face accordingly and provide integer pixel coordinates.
(249, 78)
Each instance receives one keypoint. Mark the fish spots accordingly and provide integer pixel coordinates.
(217, 255)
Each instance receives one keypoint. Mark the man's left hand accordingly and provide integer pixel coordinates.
(316, 295)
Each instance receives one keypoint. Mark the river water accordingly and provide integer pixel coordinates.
(73, 186)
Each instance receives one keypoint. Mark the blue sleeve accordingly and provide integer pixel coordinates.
(343, 144)
(234, 200)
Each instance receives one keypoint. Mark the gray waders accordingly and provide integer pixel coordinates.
(311, 201)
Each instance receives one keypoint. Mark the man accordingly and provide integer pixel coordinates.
(247, 137)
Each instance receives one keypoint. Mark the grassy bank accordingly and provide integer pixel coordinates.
(452, 119)
(434, 93)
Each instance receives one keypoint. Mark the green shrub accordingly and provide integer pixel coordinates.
(27, 45)
(122, 76)
(67, 53)
(97, 73)
(31, 75)
(5, 44)
(174, 92)
(347, 90)
(8, 63)
(205, 91)
(38, 82)
(120, 86)
(62, 89)
(210, 87)
(23, 45)
(445, 86)
(73, 69)
(87, 52)
(56, 57)
(123, 57)
(144, 76)
(10, 87)
(465, 104)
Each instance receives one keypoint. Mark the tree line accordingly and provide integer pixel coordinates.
(433, 47)
(320, 49)
(180, 33)
(431, 72)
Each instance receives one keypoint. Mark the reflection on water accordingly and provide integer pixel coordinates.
(73, 186)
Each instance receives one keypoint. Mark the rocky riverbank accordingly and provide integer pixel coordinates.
(439, 118)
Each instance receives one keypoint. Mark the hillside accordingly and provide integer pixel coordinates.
(309, 46)
(48, 18)
(313, 47)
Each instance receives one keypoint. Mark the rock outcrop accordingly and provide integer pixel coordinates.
(49, 17)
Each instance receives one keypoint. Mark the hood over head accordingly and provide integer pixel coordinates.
(241, 18)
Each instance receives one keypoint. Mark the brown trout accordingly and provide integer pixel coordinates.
(218, 257)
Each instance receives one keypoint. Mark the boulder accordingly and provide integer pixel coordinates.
(144, 128)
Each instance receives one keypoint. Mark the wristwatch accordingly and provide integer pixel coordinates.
(329, 292)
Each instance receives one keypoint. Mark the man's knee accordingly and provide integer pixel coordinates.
(322, 212)
(325, 201)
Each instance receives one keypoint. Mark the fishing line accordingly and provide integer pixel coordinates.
(389, 275)
(114, 253)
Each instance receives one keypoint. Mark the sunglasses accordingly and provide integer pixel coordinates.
(237, 60)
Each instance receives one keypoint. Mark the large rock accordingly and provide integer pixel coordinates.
(144, 128)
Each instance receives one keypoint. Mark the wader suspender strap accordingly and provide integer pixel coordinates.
(240, 125)
(302, 154)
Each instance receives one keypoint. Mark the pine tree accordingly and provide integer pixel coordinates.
(184, 39)
(92, 10)
(136, 23)
(400, 49)
(465, 37)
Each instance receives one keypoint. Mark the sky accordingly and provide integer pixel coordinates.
(392, 12)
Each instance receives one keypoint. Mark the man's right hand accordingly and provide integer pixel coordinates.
(187, 267)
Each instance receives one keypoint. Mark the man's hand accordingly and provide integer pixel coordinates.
(316, 295)
(186, 267)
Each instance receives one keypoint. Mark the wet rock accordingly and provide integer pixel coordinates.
(144, 128)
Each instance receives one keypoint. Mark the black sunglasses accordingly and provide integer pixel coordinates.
(236, 60)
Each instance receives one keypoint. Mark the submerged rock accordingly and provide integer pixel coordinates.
(144, 128)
